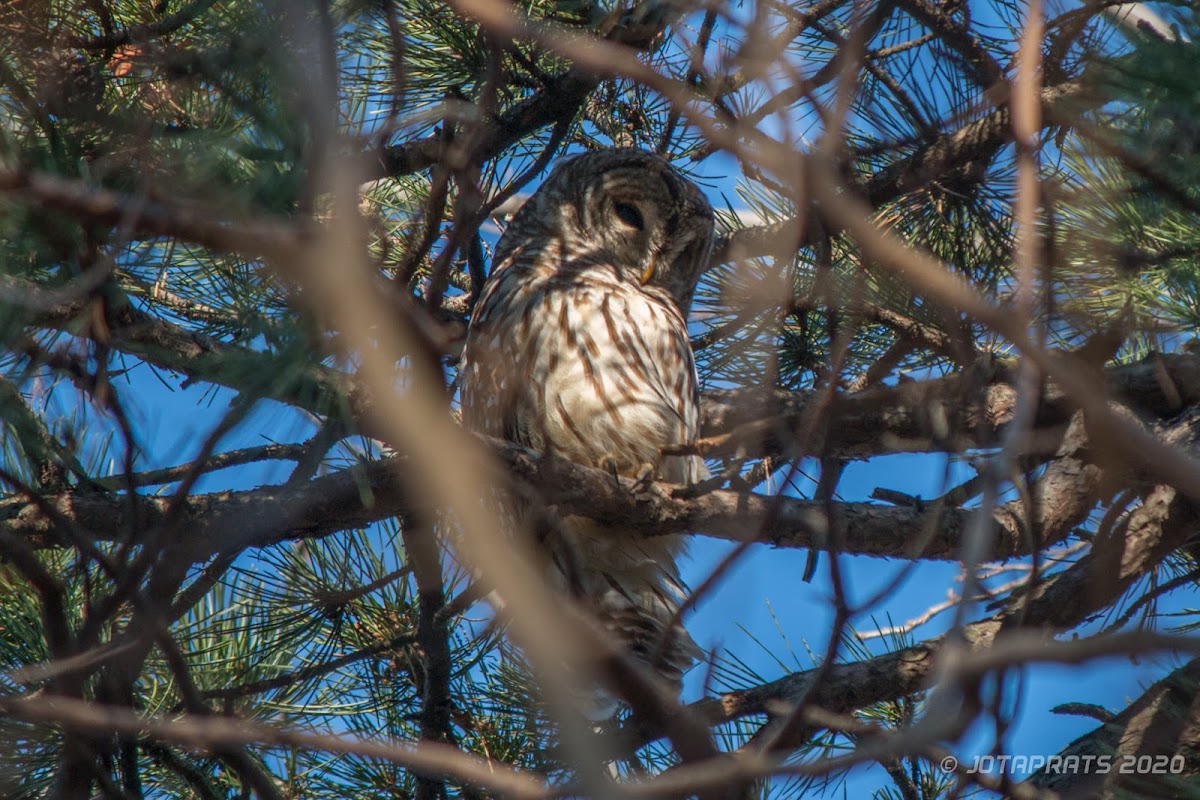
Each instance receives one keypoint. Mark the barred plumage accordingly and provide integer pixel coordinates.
(579, 346)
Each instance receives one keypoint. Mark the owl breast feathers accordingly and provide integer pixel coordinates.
(579, 347)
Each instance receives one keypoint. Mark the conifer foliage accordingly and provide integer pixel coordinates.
(246, 550)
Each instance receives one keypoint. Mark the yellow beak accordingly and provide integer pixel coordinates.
(648, 274)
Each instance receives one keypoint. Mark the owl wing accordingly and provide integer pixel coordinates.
(490, 373)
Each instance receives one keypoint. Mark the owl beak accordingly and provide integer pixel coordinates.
(648, 274)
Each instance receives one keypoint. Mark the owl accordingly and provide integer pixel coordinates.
(578, 347)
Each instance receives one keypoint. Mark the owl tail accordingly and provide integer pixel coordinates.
(638, 616)
(632, 584)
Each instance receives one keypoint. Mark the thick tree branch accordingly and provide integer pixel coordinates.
(353, 498)
(1163, 523)
(211, 523)
(210, 733)
(1162, 727)
(964, 411)
(263, 237)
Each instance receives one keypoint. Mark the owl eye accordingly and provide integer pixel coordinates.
(629, 215)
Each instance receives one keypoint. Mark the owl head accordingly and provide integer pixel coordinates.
(627, 208)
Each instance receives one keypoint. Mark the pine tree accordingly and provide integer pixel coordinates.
(240, 244)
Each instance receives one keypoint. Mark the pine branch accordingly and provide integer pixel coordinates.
(357, 497)
(264, 237)
(146, 31)
(1161, 728)
(234, 520)
(975, 60)
(1163, 523)
(437, 704)
(203, 733)
(961, 152)
(217, 461)
(309, 671)
(557, 103)
(876, 421)
(964, 411)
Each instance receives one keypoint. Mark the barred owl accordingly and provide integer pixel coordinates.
(579, 347)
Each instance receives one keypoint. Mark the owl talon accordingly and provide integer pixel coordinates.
(609, 464)
(644, 479)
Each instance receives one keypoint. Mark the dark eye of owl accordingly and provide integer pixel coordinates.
(629, 215)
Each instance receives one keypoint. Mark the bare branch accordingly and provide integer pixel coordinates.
(207, 733)
(355, 498)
